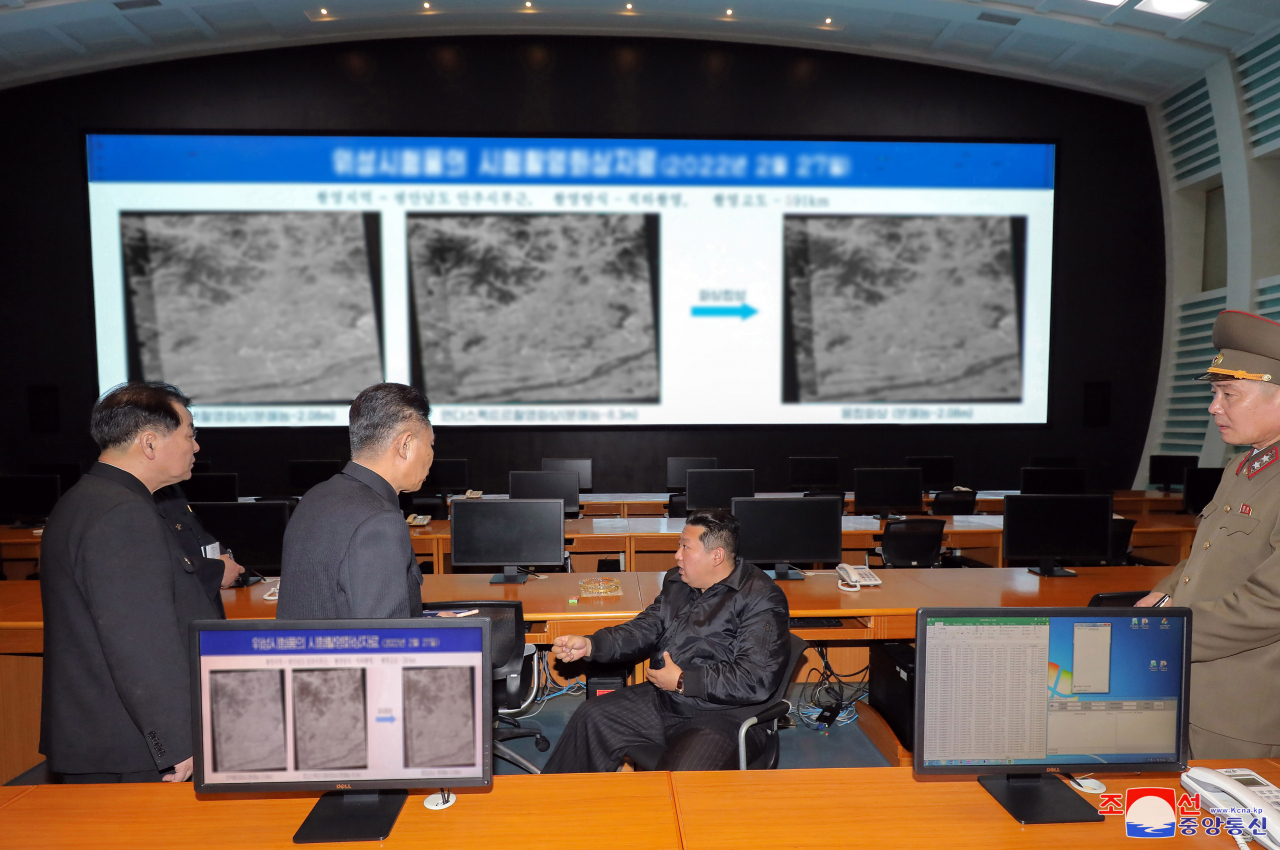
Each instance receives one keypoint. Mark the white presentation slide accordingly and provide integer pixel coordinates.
(1091, 658)
(577, 282)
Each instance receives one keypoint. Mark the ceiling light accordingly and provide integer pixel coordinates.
(628, 5)
(828, 20)
(324, 11)
(528, 4)
(426, 5)
(1181, 9)
(728, 11)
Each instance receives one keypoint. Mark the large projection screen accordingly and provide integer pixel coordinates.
(577, 281)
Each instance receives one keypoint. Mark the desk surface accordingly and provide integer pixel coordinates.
(635, 810)
(885, 806)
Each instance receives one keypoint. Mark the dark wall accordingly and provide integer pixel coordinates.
(1108, 284)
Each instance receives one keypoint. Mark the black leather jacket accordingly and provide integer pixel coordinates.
(731, 641)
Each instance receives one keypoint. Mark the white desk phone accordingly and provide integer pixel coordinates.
(853, 578)
(1238, 787)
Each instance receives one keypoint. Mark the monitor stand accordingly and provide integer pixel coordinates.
(1048, 568)
(885, 516)
(351, 816)
(509, 575)
(784, 572)
(1038, 798)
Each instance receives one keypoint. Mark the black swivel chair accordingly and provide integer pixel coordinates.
(647, 756)
(514, 667)
(911, 543)
(955, 503)
(1119, 550)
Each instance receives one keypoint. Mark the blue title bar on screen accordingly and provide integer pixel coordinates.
(377, 159)
(339, 641)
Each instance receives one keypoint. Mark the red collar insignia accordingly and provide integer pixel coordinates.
(1245, 510)
(1259, 462)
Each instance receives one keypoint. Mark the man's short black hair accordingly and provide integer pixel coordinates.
(721, 531)
(127, 409)
(379, 410)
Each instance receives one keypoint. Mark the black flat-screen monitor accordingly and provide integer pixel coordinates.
(1044, 528)
(1199, 484)
(28, 499)
(1019, 694)
(813, 472)
(68, 473)
(715, 489)
(211, 487)
(507, 533)
(1052, 481)
(887, 491)
(1055, 461)
(202, 466)
(305, 474)
(253, 531)
(937, 472)
(546, 485)
(678, 470)
(1165, 471)
(371, 707)
(783, 532)
(580, 465)
(448, 476)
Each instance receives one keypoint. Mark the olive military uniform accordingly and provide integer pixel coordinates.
(1231, 582)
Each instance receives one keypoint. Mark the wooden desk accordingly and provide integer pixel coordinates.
(886, 807)
(21, 547)
(567, 812)
(21, 642)
(1143, 502)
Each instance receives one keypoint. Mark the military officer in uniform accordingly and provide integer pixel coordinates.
(1231, 582)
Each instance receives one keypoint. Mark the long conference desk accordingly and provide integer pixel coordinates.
(886, 612)
(745, 810)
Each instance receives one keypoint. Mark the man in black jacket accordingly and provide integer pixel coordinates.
(118, 596)
(718, 636)
(347, 552)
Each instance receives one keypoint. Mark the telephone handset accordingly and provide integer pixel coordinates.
(853, 578)
(1238, 787)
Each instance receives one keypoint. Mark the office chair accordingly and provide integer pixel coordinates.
(647, 756)
(911, 543)
(954, 503)
(1119, 550)
(511, 658)
(677, 506)
(1121, 599)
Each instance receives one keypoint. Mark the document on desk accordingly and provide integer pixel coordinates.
(985, 697)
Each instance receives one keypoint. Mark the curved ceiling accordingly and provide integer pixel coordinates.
(1137, 50)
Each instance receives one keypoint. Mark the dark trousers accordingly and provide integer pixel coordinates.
(601, 731)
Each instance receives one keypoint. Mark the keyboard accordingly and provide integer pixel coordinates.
(816, 622)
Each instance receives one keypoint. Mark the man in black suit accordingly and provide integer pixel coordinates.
(118, 596)
(347, 552)
(215, 566)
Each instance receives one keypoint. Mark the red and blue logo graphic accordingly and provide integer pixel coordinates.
(1149, 813)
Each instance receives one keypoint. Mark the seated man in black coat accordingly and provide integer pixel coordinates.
(347, 552)
(118, 595)
(719, 637)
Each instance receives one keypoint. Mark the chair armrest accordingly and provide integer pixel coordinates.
(774, 712)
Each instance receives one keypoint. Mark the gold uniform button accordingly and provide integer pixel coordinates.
(1206, 544)
(1186, 579)
(1227, 509)
(178, 525)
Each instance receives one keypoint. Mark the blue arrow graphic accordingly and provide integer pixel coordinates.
(742, 311)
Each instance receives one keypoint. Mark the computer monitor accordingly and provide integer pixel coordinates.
(305, 474)
(937, 472)
(805, 473)
(1165, 471)
(27, 500)
(1018, 694)
(580, 465)
(371, 707)
(211, 487)
(202, 466)
(546, 485)
(68, 473)
(1052, 480)
(1055, 461)
(715, 489)
(253, 531)
(888, 491)
(1045, 528)
(783, 532)
(1198, 486)
(447, 476)
(678, 470)
(507, 533)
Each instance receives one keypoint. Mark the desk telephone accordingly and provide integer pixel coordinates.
(1238, 787)
(853, 578)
